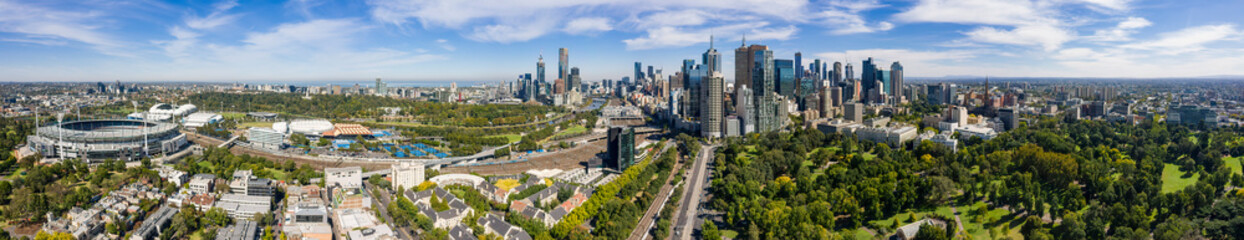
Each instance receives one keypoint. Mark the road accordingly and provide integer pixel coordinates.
(645, 223)
(689, 215)
(383, 202)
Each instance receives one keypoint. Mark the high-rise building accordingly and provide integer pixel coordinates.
(712, 111)
(835, 96)
(784, 71)
(744, 108)
(743, 64)
(573, 83)
(407, 175)
(850, 71)
(695, 89)
(1009, 119)
(764, 89)
(639, 72)
(816, 69)
(896, 82)
(621, 148)
(381, 88)
(837, 74)
(651, 75)
(563, 63)
(798, 65)
(711, 58)
(539, 72)
(824, 70)
(869, 78)
(559, 86)
(854, 112)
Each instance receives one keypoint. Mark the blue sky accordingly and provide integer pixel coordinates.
(496, 40)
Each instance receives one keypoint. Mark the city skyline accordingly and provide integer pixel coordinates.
(230, 41)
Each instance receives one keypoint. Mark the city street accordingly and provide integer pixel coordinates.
(690, 212)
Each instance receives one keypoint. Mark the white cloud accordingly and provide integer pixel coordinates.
(1121, 32)
(681, 37)
(1190, 39)
(522, 20)
(47, 26)
(1045, 36)
(587, 26)
(1038, 23)
(444, 44)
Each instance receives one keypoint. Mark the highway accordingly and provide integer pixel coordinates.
(690, 211)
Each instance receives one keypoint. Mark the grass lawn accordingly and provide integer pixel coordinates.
(576, 129)
(256, 124)
(861, 234)
(729, 234)
(1234, 164)
(979, 227)
(1173, 180)
(513, 138)
(207, 165)
(233, 115)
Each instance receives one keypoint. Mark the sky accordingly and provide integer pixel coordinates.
(497, 40)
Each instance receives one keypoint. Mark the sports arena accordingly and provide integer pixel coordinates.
(96, 140)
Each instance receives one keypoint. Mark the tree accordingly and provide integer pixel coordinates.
(930, 232)
(710, 231)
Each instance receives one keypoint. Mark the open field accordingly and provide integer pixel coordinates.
(1173, 179)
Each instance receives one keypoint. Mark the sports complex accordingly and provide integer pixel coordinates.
(96, 140)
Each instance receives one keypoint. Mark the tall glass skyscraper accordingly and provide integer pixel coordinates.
(784, 71)
(712, 59)
(563, 63)
(639, 71)
(869, 77)
(837, 74)
(798, 65)
(896, 82)
(764, 92)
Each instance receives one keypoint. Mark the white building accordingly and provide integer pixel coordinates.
(202, 183)
(241, 206)
(266, 138)
(348, 177)
(200, 119)
(407, 175)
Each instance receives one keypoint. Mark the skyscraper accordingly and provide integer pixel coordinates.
(711, 58)
(539, 71)
(711, 110)
(896, 82)
(745, 108)
(695, 89)
(816, 69)
(798, 65)
(621, 148)
(837, 78)
(563, 63)
(742, 65)
(639, 71)
(764, 89)
(784, 70)
(850, 72)
(381, 88)
(869, 78)
(573, 83)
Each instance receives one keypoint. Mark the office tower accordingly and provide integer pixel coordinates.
(381, 88)
(896, 82)
(695, 90)
(674, 102)
(639, 72)
(835, 96)
(952, 94)
(743, 61)
(563, 63)
(824, 70)
(798, 65)
(711, 110)
(711, 58)
(854, 112)
(935, 94)
(651, 73)
(816, 69)
(850, 71)
(806, 91)
(784, 71)
(883, 77)
(837, 74)
(877, 94)
(687, 65)
(573, 83)
(539, 71)
(559, 86)
(1009, 120)
(745, 108)
(764, 89)
(869, 78)
(621, 148)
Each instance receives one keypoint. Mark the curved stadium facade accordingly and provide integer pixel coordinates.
(106, 139)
